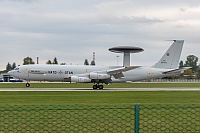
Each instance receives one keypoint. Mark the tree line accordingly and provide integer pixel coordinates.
(191, 61)
(29, 60)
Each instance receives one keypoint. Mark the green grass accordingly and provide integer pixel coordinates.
(99, 111)
(99, 97)
(114, 85)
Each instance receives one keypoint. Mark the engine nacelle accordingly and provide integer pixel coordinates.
(99, 76)
(80, 79)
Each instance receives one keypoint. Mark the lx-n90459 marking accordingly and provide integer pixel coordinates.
(166, 66)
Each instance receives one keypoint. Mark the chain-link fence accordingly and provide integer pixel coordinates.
(169, 118)
(99, 118)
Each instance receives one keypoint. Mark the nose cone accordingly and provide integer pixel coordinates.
(10, 73)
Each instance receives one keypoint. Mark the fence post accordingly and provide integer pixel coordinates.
(136, 118)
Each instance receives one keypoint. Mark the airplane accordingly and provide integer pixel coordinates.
(99, 75)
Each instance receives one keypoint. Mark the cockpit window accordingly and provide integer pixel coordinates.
(17, 68)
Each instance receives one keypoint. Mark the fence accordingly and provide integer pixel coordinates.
(100, 118)
(175, 80)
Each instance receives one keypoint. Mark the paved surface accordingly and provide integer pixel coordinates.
(105, 89)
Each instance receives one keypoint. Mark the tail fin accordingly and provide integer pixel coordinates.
(170, 59)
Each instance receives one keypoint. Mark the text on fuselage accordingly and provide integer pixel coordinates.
(60, 72)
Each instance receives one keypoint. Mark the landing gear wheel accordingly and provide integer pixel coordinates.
(28, 85)
(100, 87)
(95, 87)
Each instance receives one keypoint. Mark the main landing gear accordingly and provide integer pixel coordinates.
(97, 86)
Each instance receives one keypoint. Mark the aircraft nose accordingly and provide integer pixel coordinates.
(10, 72)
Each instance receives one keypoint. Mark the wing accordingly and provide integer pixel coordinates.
(117, 73)
(103, 76)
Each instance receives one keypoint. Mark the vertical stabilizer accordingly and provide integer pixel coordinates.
(170, 59)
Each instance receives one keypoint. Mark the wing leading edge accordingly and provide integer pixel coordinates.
(118, 73)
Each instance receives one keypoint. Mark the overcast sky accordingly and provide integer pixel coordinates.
(72, 30)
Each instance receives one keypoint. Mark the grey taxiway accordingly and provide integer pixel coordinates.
(106, 89)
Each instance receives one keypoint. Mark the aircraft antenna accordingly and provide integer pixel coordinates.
(37, 60)
(126, 50)
(94, 56)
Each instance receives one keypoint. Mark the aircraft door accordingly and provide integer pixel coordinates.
(26, 71)
(149, 72)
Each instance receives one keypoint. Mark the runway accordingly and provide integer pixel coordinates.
(105, 89)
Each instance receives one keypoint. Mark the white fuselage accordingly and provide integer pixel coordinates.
(64, 72)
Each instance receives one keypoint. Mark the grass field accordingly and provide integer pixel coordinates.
(114, 85)
(98, 97)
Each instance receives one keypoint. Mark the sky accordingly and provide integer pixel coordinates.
(71, 30)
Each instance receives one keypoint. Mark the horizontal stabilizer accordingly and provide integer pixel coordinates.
(177, 71)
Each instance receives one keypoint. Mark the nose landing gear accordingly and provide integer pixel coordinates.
(28, 84)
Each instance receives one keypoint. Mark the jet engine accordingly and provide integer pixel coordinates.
(80, 79)
(99, 76)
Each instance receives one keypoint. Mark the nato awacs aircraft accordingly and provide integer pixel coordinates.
(166, 66)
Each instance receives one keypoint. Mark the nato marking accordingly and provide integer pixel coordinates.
(60, 72)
